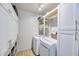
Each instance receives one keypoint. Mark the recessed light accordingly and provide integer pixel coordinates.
(39, 9)
(42, 6)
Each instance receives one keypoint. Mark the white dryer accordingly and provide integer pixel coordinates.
(48, 47)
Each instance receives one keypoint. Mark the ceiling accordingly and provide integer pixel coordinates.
(33, 7)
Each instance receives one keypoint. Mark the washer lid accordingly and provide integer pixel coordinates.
(48, 42)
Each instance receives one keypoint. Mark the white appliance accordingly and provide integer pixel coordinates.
(48, 47)
(36, 44)
(68, 29)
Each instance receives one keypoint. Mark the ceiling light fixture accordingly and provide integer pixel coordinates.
(39, 9)
(42, 6)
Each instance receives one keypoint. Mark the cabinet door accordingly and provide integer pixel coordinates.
(66, 43)
(66, 23)
(65, 17)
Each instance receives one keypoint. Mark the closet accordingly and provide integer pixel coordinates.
(68, 29)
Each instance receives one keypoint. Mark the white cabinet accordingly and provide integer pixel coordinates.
(65, 14)
(67, 42)
(8, 27)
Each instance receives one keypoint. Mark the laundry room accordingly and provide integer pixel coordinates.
(39, 29)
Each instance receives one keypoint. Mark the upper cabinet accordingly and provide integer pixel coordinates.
(66, 15)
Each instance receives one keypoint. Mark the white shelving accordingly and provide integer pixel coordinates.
(45, 26)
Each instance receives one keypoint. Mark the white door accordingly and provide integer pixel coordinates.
(66, 30)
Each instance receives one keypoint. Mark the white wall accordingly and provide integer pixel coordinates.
(28, 26)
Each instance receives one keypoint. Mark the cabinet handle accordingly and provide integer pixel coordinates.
(76, 30)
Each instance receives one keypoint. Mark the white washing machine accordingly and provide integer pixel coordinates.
(36, 44)
(48, 47)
